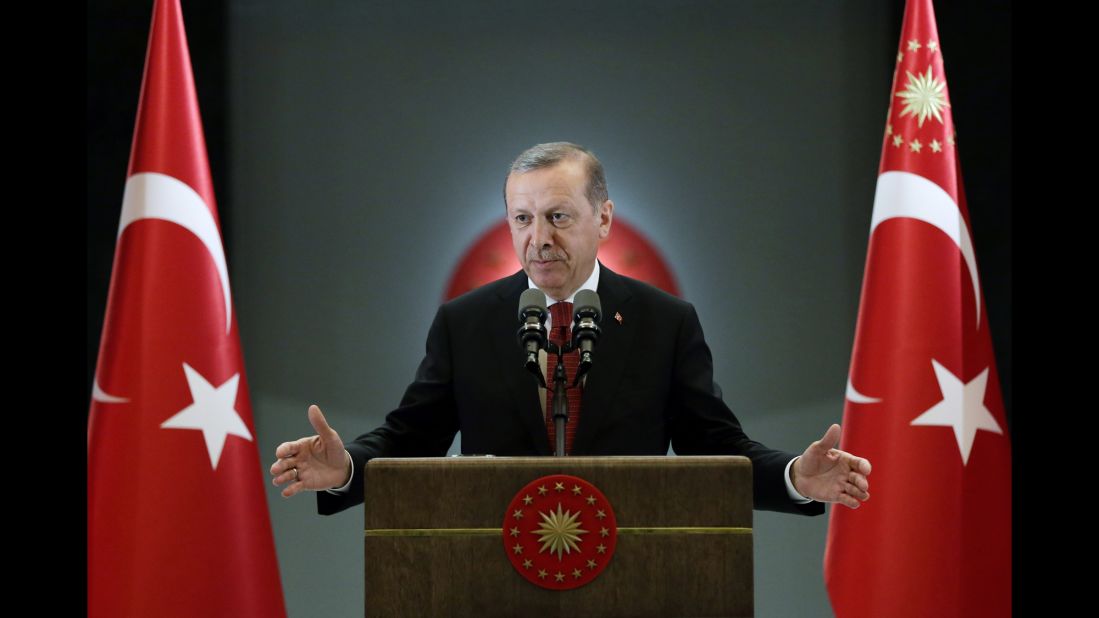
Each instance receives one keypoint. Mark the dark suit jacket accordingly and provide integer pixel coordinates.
(651, 384)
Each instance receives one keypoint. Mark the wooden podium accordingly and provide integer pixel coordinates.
(434, 540)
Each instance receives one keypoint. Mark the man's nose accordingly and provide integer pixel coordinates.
(542, 234)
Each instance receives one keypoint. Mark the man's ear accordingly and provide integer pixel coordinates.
(606, 215)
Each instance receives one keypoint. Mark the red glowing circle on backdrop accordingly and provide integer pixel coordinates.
(625, 251)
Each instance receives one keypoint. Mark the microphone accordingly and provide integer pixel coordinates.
(585, 329)
(532, 327)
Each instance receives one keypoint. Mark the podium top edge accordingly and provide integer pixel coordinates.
(603, 460)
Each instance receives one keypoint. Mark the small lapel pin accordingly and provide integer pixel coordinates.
(618, 316)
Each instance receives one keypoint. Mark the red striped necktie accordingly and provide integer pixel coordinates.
(560, 333)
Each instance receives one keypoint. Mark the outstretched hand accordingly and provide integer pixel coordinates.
(316, 462)
(828, 474)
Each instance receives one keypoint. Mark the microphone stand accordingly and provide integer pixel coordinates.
(560, 399)
(532, 335)
(560, 392)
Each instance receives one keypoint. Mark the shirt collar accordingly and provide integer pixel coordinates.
(591, 284)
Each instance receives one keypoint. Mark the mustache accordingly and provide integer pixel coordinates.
(544, 255)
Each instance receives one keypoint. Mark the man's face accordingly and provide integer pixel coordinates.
(554, 230)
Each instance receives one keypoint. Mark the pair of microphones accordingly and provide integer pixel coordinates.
(532, 329)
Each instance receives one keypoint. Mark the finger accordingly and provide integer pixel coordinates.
(287, 449)
(284, 464)
(831, 438)
(287, 475)
(856, 493)
(320, 425)
(841, 494)
(858, 480)
(281, 466)
(292, 489)
(858, 464)
(848, 501)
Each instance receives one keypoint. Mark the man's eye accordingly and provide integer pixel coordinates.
(559, 218)
(522, 219)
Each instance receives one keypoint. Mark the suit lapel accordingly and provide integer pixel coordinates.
(614, 348)
(522, 385)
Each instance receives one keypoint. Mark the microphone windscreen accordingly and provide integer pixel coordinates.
(532, 297)
(587, 299)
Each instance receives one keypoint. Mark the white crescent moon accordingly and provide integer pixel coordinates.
(98, 394)
(150, 195)
(857, 397)
(907, 195)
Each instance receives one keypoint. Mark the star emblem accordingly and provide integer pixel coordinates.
(936, 146)
(933, 46)
(897, 141)
(915, 145)
(211, 412)
(560, 532)
(900, 56)
(547, 546)
(913, 45)
(924, 97)
(962, 409)
(518, 514)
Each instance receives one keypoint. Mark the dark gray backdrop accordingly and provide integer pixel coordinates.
(365, 144)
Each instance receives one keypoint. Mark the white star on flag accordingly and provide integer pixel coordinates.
(962, 407)
(212, 413)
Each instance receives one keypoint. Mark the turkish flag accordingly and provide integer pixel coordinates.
(923, 396)
(177, 514)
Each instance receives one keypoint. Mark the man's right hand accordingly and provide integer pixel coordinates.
(318, 462)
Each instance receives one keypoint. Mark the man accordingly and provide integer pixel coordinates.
(651, 383)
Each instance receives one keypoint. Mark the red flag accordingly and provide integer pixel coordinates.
(923, 396)
(177, 514)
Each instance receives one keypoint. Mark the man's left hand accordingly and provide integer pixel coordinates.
(828, 474)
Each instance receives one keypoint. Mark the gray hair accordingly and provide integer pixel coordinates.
(547, 155)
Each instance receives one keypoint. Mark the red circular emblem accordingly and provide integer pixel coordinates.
(559, 532)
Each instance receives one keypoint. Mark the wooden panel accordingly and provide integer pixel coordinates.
(433, 544)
